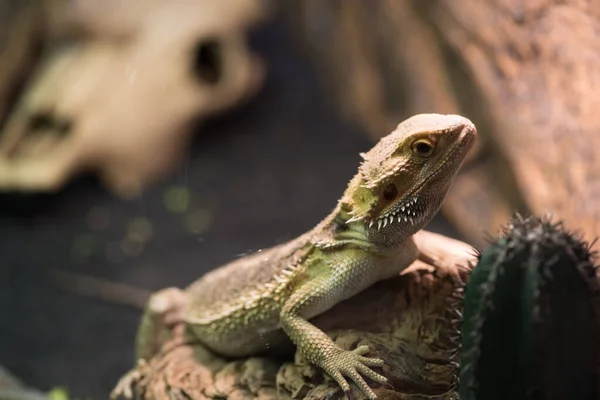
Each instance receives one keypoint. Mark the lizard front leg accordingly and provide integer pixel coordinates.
(449, 256)
(312, 298)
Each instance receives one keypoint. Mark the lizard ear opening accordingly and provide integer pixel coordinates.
(390, 192)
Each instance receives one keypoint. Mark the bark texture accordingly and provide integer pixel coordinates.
(526, 72)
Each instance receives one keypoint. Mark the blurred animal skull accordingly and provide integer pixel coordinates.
(122, 99)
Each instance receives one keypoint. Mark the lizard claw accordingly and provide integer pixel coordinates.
(353, 364)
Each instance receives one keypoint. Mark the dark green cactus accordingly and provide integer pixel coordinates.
(531, 327)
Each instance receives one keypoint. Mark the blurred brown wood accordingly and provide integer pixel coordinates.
(21, 39)
(527, 74)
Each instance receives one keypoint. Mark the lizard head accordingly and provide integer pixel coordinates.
(404, 178)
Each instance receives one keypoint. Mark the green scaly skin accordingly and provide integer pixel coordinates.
(244, 307)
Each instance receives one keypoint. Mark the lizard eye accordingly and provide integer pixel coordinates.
(422, 147)
(390, 192)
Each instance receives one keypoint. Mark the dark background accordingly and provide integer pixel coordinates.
(264, 173)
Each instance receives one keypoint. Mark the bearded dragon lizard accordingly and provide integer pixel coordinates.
(372, 234)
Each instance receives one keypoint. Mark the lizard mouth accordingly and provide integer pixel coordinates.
(409, 210)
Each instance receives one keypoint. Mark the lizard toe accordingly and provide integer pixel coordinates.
(454, 272)
(361, 383)
(371, 374)
(123, 387)
(339, 378)
(372, 362)
(361, 350)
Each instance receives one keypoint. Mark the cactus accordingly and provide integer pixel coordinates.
(531, 327)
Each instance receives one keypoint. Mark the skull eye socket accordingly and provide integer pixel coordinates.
(44, 122)
(207, 63)
(423, 147)
(390, 192)
(40, 121)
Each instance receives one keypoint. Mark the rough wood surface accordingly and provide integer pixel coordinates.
(527, 73)
(410, 321)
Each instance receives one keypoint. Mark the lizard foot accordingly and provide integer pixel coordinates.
(458, 273)
(352, 364)
(123, 387)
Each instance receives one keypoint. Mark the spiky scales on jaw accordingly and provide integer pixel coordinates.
(404, 178)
